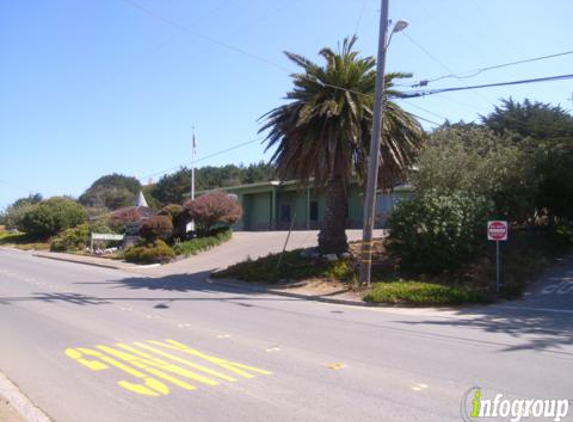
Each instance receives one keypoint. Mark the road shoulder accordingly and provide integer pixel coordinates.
(15, 406)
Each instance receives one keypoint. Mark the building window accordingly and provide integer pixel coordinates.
(313, 211)
(285, 213)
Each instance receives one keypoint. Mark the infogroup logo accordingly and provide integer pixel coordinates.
(475, 406)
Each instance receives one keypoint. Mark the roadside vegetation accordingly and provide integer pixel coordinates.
(322, 135)
(292, 265)
(515, 165)
(163, 235)
(62, 224)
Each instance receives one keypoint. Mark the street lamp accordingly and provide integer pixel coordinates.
(374, 157)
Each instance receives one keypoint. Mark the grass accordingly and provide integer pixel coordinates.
(524, 256)
(22, 241)
(293, 266)
(422, 293)
(199, 244)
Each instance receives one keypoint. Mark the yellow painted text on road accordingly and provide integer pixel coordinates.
(152, 367)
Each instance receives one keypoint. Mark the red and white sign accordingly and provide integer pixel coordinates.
(497, 230)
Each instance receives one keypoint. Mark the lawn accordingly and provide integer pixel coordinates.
(21, 241)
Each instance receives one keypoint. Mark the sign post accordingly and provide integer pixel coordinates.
(497, 231)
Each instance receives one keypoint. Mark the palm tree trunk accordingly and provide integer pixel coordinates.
(332, 236)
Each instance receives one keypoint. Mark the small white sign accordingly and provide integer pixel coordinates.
(497, 230)
(106, 236)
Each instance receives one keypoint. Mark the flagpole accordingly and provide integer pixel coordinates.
(193, 166)
(191, 226)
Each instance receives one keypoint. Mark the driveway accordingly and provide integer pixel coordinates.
(552, 292)
(246, 245)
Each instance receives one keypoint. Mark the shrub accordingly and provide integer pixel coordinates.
(419, 293)
(120, 218)
(292, 266)
(155, 228)
(51, 217)
(194, 246)
(177, 215)
(72, 239)
(212, 210)
(172, 210)
(149, 253)
(434, 232)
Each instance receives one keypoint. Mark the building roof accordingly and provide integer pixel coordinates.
(140, 200)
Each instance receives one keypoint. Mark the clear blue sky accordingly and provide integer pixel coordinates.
(93, 87)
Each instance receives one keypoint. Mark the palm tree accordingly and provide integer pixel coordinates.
(323, 133)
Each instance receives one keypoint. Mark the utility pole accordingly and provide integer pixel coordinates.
(374, 157)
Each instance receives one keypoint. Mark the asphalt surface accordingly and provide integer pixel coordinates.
(64, 326)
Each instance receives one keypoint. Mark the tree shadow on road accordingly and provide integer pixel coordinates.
(535, 330)
(160, 292)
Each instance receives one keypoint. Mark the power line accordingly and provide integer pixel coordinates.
(188, 30)
(424, 119)
(426, 110)
(476, 72)
(415, 94)
(430, 55)
(215, 154)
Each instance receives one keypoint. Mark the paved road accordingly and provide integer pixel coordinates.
(90, 344)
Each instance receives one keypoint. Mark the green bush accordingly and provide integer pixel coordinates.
(194, 246)
(435, 232)
(293, 266)
(51, 217)
(156, 228)
(74, 239)
(178, 218)
(419, 293)
(149, 253)
(476, 160)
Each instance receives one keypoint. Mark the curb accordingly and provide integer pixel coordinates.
(22, 404)
(314, 298)
(93, 264)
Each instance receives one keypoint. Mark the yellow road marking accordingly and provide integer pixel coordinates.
(174, 368)
(336, 366)
(419, 387)
(186, 362)
(235, 367)
(152, 387)
(138, 363)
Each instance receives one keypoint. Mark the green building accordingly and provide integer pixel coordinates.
(276, 205)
